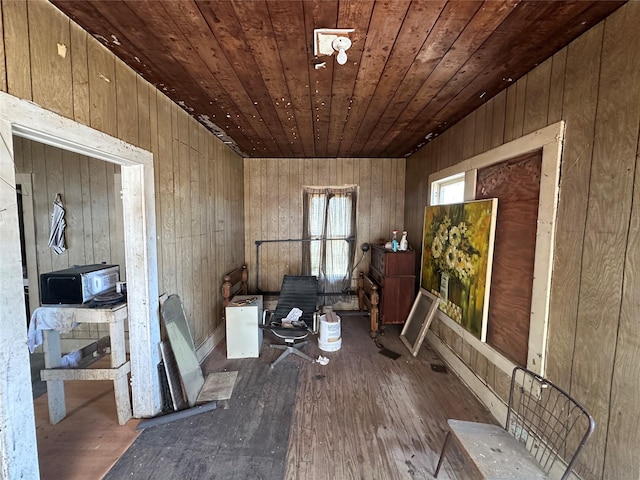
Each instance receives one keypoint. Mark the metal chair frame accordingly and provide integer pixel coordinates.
(544, 419)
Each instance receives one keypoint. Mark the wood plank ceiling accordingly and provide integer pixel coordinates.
(247, 70)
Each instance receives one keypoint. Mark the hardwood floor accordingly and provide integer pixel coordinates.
(367, 416)
(362, 416)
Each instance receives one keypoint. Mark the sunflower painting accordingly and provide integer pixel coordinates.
(456, 260)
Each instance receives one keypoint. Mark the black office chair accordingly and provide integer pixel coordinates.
(296, 292)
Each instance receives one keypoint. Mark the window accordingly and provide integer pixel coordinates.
(448, 190)
(329, 231)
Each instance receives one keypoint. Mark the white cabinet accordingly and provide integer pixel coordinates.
(244, 336)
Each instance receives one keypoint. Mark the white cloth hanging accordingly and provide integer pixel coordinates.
(58, 224)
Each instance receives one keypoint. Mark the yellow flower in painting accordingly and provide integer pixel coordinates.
(450, 257)
(455, 236)
(436, 248)
(443, 233)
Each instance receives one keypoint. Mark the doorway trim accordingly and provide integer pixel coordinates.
(18, 449)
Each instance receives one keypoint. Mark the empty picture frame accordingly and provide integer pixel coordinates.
(422, 313)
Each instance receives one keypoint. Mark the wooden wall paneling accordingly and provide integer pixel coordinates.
(499, 119)
(55, 185)
(80, 74)
(98, 185)
(16, 48)
(126, 103)
(183, 226)
(145, 130)
(251, 215)
(556, 87)
(272, 261)
(387, 216)
(579, 110)
(377, 229)
(50, 45)
(165, 171)
(510, 113)
(399, 175)
(41, 207)
(102, 89)
(209, 280)
(197, 278)
(518, 118)
(623, 434)
(537, 97)
(286, 190)
(295, 213)
(608, 216)
(116, 219)
(219, 207)
(468, 135)
(488, 122)
(263, 262)
(481, 122)
(3, 66)
(364, 175)
(74, 232)
(86, 210)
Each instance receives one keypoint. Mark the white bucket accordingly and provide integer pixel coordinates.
(329, 339)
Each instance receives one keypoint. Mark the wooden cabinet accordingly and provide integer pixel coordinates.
(394, 272)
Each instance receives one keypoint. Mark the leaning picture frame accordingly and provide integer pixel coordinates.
(419, 319)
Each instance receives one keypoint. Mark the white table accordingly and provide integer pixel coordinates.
(55, 376)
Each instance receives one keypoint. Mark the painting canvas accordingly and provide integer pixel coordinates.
(456, 260)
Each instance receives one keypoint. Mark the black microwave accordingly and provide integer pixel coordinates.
(78, 284)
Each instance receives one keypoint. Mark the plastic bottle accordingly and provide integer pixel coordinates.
(394, 241)
(404, 243)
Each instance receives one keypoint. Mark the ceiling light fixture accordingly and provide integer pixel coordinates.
(341, 45)
(328, 41)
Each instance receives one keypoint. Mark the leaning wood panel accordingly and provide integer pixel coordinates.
(16, 48)
(607, 228)
(579, 110)
(50, 48)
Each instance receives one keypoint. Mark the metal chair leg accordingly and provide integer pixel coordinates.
(289, 349)
(444, 446)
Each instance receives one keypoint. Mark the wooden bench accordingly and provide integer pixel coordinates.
(235, 283)
(368, 299)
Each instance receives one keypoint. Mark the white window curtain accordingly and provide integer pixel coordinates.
(329, 224)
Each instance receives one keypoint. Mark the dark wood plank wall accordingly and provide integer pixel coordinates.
(198, 180)
(273, 207)
(594, 340)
